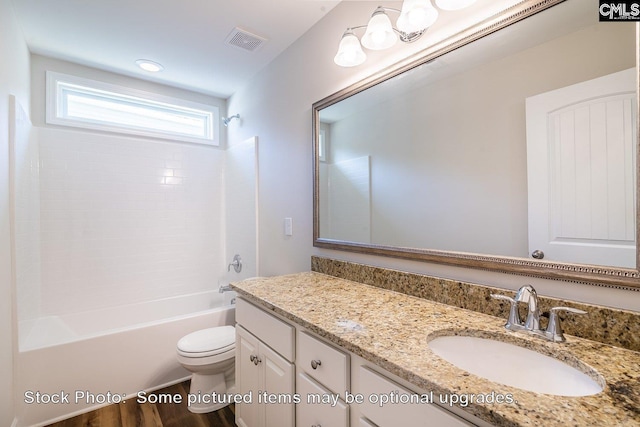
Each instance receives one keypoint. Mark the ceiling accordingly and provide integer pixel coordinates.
(188, 37)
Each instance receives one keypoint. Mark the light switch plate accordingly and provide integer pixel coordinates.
(288, 227)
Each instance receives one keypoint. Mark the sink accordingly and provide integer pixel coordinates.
(514, 366)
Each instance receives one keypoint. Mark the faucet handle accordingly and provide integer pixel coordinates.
(554, 328)
(503, 297)
(514, 317)
(236, 264)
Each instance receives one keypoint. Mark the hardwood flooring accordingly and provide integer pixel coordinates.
(134, 414)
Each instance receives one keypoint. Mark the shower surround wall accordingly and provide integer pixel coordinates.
(124, 220)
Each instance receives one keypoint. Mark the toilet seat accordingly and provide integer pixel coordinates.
(208, 342)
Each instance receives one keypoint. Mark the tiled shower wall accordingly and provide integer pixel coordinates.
(126, 219)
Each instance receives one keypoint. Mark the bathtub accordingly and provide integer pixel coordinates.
(105, 356)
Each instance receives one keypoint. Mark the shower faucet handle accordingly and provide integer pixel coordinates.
(236, 264)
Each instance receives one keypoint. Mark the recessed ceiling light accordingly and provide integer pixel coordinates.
(150, 66)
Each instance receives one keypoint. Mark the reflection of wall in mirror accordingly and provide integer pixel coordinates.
(445, 179)
(347, 199)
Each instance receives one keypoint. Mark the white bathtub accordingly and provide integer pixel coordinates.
(103, 353)
(52, 330)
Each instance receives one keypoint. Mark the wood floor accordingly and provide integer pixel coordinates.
(133, 414)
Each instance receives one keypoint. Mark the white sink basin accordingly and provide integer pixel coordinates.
(514, 366)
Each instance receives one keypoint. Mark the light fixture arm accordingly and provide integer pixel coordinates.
(409, 37)
(404, 37)
(391, 9)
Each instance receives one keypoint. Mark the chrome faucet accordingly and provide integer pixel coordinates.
(528, 295)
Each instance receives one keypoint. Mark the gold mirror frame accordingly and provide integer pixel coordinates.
(623, 278)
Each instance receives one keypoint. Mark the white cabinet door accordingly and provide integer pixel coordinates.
(266, 375)
(278, 383)
(581, 171)
(247, 379)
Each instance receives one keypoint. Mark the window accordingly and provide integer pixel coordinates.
(73, 101)
(322, 145)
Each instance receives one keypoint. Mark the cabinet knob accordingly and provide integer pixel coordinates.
(316, 425)
(255, 359)
(314, 365)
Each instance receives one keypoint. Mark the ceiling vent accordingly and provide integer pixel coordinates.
(245, 40)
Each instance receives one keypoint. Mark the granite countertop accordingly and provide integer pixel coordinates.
(395, 329)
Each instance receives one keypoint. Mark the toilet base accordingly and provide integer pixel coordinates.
(209, 393)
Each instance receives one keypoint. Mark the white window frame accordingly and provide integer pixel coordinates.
(59, 85)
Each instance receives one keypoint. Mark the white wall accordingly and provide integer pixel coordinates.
(277, 106)
(14, 79)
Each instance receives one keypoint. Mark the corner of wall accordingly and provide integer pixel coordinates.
(14, 80)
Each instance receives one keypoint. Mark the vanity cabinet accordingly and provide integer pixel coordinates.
(264, 368)
(274, 356)
(363, 422)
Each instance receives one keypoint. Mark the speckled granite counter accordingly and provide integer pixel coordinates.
(396, 329)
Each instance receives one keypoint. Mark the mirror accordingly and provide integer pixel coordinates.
(512, 148)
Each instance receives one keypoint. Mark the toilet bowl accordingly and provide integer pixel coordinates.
(209, 354)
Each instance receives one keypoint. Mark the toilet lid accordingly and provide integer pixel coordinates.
(211, 341)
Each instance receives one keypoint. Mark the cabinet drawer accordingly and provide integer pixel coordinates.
(277, 334)
(366, 423)
(324, 363)
(310, 412)
(413, 414)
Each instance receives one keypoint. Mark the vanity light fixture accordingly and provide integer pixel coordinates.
(150, 66)
(415, 17)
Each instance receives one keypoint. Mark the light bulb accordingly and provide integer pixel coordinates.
(379, 34)
(416, 15)
(350, 52)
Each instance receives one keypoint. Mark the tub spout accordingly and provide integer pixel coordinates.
(224, 288)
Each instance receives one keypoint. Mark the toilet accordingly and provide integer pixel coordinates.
(209, 354)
